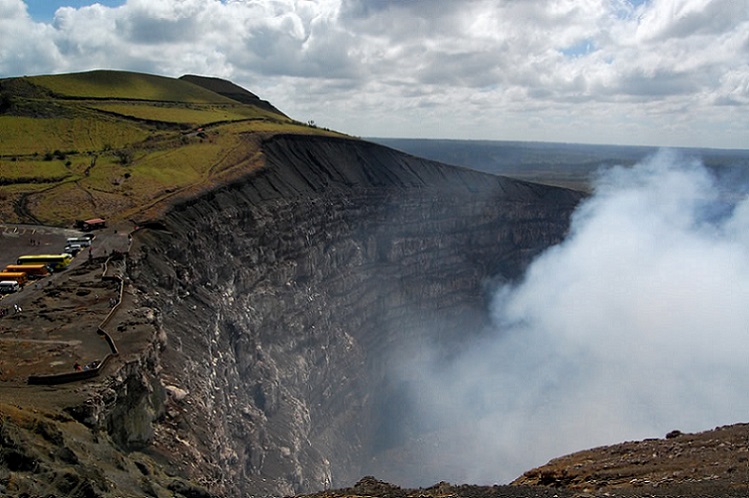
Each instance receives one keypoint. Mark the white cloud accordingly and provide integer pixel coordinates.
(687, 18)
(656, 62)
(27, 47)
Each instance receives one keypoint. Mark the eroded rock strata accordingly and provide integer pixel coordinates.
(285, 297)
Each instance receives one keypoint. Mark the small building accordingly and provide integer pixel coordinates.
(93, 224)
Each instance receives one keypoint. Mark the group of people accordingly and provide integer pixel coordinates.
(89, 366)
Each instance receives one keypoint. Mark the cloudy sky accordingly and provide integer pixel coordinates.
(654, 72)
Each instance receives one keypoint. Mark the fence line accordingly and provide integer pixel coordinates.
(90, 373)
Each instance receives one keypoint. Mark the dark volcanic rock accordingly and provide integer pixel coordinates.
(371, 487)
(284, 297)
(710, 463)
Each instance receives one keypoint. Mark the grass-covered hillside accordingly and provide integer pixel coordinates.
(123, 145)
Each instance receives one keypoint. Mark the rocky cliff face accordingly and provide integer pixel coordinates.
(286, 298)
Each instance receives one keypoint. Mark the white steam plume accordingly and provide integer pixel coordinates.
(637, 324)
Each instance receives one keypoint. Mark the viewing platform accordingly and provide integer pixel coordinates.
(55, 329)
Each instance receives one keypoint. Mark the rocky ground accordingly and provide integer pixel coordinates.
(711, 463)
(555, 483)
(371, 487)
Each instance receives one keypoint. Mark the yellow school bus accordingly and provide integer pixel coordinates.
(32, 271)
(55, 261)
(17, 276)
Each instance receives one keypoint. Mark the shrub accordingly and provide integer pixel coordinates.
(125, 156)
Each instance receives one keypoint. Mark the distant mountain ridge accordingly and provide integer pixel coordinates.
(230, 90)
(564, 164)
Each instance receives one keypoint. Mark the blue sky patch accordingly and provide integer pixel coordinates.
(581, 48)
(44, 10)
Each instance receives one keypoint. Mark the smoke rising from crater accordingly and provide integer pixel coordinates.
(637, 324)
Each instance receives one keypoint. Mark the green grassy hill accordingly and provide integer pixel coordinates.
(123, 145)
(230, 90)
(104, 84)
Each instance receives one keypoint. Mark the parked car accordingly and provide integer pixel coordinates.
(9, 286)
(18, 277)
(73, 249)
(81, 241)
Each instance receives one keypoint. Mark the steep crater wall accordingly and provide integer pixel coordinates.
(287, 297)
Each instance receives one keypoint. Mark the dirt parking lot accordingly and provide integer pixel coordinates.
(29, 239)
(51, 325)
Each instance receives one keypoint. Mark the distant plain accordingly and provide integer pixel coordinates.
(566, 165)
